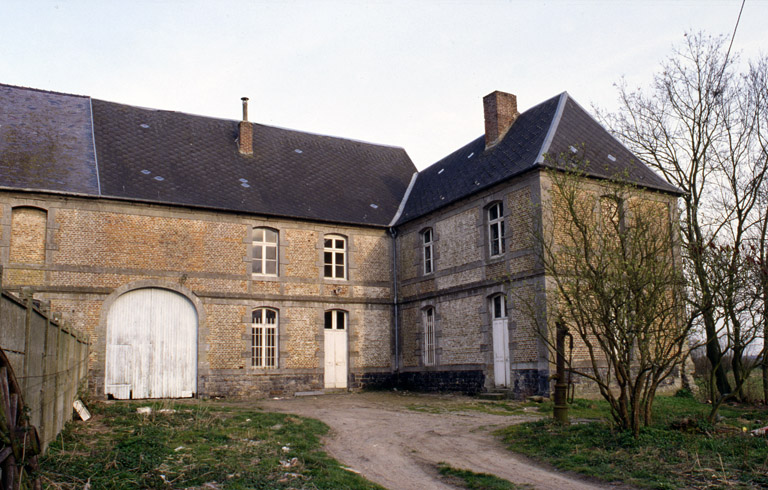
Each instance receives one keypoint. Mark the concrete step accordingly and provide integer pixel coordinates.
(496, 395)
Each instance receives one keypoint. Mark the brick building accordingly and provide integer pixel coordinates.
(227, 258)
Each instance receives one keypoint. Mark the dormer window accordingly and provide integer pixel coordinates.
(496, 229)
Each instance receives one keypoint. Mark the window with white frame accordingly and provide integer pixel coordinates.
(264, 338)
(335, 257)
(265, 243)
(335, 320)
(429, 337)
(496, 229)
(499, 306)
(426, 237)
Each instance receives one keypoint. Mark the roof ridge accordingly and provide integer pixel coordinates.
(33, 89)
(404, 200)
(203, 116)
(553, 127)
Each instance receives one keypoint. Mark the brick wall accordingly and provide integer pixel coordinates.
(27, 246)
(91, 251)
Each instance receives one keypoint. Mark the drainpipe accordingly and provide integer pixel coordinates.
(393, 234)
(560, 411)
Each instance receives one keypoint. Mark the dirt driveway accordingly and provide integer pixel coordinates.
(396, 440)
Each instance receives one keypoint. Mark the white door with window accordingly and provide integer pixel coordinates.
(151, 345)
(501, 373)
(335, 349)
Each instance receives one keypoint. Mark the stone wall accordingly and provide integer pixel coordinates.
(464, 279)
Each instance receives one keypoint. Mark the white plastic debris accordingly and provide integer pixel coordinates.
(144, 410)
(762, 431)
(83, 412)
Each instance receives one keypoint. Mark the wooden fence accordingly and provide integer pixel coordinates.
(49, 358)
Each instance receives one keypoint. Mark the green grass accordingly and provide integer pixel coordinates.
(679, 450)
(476, 481)
(193, 445)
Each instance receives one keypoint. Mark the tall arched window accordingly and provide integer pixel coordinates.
(496, 229)
(265, 251)
(264, 335)
(430, 340)
(335, 257)
(426, 238)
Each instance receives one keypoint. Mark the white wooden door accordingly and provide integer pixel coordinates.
(501, 374)
(501, 352)
(151, 346)
(335, 372)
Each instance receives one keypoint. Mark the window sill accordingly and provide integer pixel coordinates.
(264, 277)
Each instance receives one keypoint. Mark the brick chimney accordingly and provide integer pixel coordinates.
(500, 113)
(245, 138)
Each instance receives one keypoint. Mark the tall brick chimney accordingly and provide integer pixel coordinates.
(500, 113)
(245, 138)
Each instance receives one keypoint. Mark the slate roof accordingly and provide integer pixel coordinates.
(550, 128)
(48, 142)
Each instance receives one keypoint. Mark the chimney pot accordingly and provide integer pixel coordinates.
(500, 113)
(245, 136)
(245, 108)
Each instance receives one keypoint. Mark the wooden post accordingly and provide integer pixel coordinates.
(26, 294)
(44, 410)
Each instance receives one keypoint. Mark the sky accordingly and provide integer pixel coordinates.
(403, 73)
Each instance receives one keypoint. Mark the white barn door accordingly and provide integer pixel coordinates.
(151, 345)
(501, 373)
(335, 344)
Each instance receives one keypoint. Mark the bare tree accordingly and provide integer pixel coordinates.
(608, 250)
(700, 126)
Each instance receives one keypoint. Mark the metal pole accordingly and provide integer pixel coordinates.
(560, 412)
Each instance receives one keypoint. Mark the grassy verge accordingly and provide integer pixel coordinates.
(194, 445)
(476, 481)
(680, 450)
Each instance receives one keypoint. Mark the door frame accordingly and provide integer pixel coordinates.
(336, 339)
(500, 328)
(99, 365)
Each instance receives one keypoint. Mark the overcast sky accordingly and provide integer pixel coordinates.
(403, 73)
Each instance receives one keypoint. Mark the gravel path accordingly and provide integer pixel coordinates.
(387, 441)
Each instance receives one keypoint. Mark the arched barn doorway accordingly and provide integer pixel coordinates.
(151, 345)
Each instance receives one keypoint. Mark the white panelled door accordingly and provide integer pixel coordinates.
(335, 372)
(151, 345)
(501, 366)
